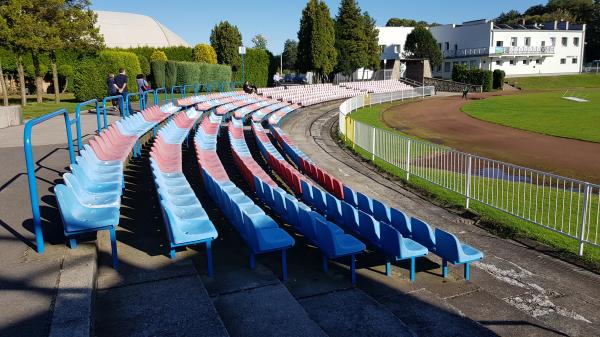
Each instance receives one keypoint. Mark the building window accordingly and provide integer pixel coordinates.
(538, 61)
(397, 48)
(513, 41)
(563, 61)
(528, 41)
(576, 41)
(499, 43)
(512, 62)
(564, 41)
(447, 67)
(447, 45)
(574, 60)
(525, 62)
(553, 41)
(455, 47)
(543, 43)
(498, 63)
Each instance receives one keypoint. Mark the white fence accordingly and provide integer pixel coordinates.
(563, 205)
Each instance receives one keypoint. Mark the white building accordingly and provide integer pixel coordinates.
(125, 30)
(392, 41)
(519, 50)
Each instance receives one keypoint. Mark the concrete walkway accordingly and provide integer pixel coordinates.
(515, 290)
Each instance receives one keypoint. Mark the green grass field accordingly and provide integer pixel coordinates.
(556, 82)
(515, 197)
(546, 113)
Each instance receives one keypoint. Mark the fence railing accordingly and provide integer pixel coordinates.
(563, 205)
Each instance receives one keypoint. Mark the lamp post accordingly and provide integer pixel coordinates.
(242, 51)
(384, 68)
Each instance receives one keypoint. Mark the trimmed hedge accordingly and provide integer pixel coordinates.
(461, 73)
(257, 66)
(89, 79)
(171, 74)
(179, 53)
(498, 78)
(158, 73)
(144, 64)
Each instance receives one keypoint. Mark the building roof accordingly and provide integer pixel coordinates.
(125, 30)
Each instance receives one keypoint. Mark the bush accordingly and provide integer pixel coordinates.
(205, 53)
(171, 74)
(158, 55)
(158, 73)
(89, 80)
(179, 53)
(144, 64)
(257, 67)
(460, 73)
(188, 73)
(498, 78)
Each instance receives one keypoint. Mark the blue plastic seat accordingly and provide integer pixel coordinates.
(91, 199)
(422, 233)
(350, 196)
(381, 212)
(78, 219)
(279, 203)
(401, 222)
(450, 249)
(369, 228)
(365, 203)
(319, 202)
(291, 206)
(350, 217)
(335, 244)
(334, 208)
(399, 248)
(307, 197)
(95, 187)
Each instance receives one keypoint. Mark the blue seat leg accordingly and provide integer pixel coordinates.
(444, 268)
(252, 261)
(412, 269)
(172, 253)
(154, 132)
(113, 245)
(72, 243)
(467, 271)
(325, 263)
(284, 275)
(353, 268)
(388, 268)
(209, 258)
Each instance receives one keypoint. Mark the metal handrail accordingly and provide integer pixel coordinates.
(155, 94)
(77, 119)
(31, 179)
(121, 103)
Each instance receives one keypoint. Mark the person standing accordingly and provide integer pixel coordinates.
(143, 86)
(111, 88)
(121, 83)
(465, 92)
(276, 79)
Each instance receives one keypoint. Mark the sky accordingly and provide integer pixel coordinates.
(279, 20)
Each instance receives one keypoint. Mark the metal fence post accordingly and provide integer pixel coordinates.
(408, 146)
(586, 191)
(468, 187)
(373, 145)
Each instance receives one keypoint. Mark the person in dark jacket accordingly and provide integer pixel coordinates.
(111, 89)
(121, 83)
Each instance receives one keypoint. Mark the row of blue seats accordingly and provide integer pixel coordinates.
(185, 219)
(256, 228)
(90, 199)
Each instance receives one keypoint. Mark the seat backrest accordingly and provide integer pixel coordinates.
(350, 196)
(365, 203)
(422, 233)
(291, 207)
(258, 188)
(390, 240)
(334, 210)
(319, 200)
(67, 202)
(325, 236)
(447, 245)
(381, 212)
(401, 222)
(369, 228)
(279, 203)
(349, 216)
(306, 192)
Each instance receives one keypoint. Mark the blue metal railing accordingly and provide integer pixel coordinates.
(142, 100)
(77, 120)
(157, 91)
(179, 87)
(31, 179)
(121, 108)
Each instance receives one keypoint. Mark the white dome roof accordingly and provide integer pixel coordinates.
(125, 30)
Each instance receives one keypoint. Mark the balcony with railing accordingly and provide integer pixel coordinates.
(498, 51)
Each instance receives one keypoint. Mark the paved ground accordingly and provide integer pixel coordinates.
(440, 120)
(516, 290)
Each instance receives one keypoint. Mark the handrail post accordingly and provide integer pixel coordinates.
(31, 179)
(586, 198)
(468, 186)
(408, 146)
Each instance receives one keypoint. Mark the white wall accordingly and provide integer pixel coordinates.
(391, 36)
(470, 35)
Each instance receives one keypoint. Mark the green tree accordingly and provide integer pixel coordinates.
(580, 9)
(421, 44)
(372, 43)
(509, 17)
(158, 55)
(316, 39)
(290, 54)
(259, 41)
(397, 22)
(204, 53)
(350, 38)
(225, 38)
(4, 34)
(592, 49)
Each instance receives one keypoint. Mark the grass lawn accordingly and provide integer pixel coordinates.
(556, 82)
(546, 113)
